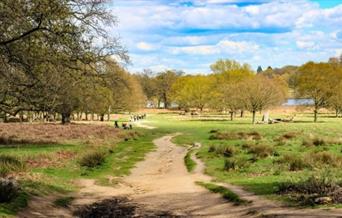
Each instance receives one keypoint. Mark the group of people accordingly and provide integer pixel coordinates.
(128, 125)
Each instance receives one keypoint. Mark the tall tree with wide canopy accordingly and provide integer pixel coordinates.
(38, 37)
(317, 81)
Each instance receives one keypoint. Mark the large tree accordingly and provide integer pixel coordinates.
(41, 37)
(317, 81)
(260, 93)
(164, 83)
(193, 91)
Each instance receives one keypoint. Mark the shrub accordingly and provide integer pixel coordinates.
(227, 151)
(92, 159)
(10, 164)
(9, 189)
(234, 163)
(212, 148)
(320, 189)
(314, 142)
(294, 162)
(324, 158)
(261, 151)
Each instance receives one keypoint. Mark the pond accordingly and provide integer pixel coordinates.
(298, 101)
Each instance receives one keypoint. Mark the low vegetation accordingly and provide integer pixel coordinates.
(315, 190)
(189, 162)
(92, 159)
(225, 192)
(10, 164)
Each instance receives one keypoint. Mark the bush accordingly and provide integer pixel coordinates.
(322, 189)
(324, 158)
(10, 164)
(294, 162)
(227, 151)
(9, 189)
(261, 151)
(92, 159)
(314, 142)
(234, 163)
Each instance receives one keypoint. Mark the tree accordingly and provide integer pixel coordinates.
(148, 83)
(260, 93)
(193, 91)
(335, 101)
(228, 73)
(43, 37)
(317, 82)
(259, 70)
(164, 83)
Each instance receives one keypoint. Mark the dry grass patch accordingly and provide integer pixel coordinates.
(217, 135)
(17, 133)
(225, 150)
(294, 162)
(261, 150)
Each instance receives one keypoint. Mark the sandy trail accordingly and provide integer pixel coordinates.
(162, 183)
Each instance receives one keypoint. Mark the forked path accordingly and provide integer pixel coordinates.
(161, 182)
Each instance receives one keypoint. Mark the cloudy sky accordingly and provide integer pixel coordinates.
(190, 35)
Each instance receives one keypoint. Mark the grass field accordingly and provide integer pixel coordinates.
(50, 169)
(279, 153)
(262, 158)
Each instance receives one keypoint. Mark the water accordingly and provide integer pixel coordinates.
(298, 101)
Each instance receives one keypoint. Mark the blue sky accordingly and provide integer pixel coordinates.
(190, 35)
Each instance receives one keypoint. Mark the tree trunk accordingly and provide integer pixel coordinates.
(166, 104)
(101, 117)
(108, 116)
(86, 116)
(241, 114)
(65, 118)
(92, 117)
(231, 115)
(315, 115)
(253, 119)
(337, 112)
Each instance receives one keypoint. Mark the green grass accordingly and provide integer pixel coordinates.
(120, 159)
(189, 162)
(225, 192)
(262, 174)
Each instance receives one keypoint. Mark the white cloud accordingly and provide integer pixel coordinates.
(144, 46)
(276, 33)
(222, 47)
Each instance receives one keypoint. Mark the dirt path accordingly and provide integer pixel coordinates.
(162, 183)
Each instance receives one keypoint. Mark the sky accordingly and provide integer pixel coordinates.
(190, 35)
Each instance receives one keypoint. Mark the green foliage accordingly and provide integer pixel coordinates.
(225, 192)
(189, 163)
